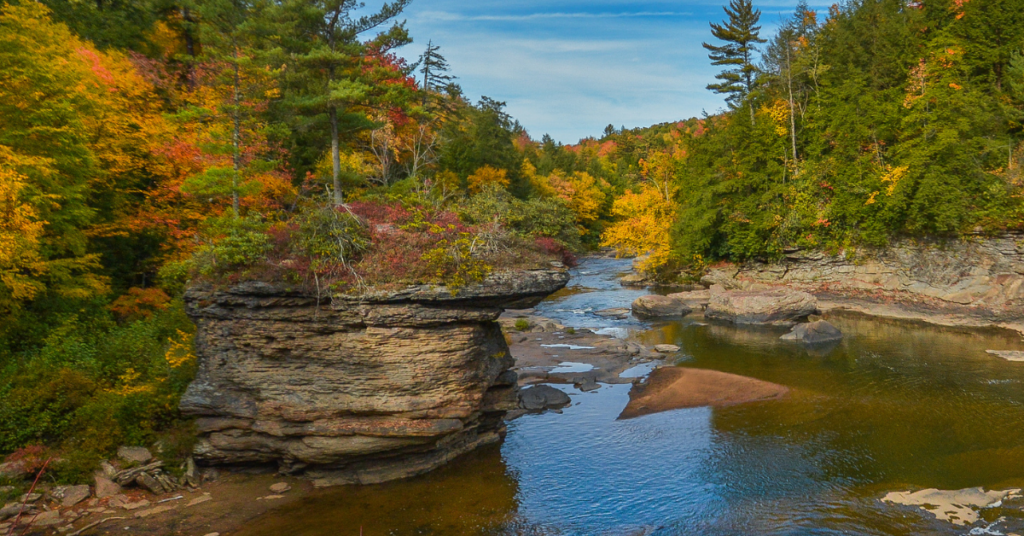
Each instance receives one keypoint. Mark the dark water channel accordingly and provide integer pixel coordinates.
(895, 406)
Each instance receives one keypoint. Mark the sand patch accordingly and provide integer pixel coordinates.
(956, 506)
(671, 388)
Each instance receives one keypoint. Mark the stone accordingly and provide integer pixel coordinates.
(776, 306)
(614, 312)
(135, 505)
(106, 487)
(109, 471)
(45, 519)
(270, 498)
(199, 500)
(359, 388)
(666, 348)
(1009, 355)
(138, 455)
(633, 280)
(586, 384)
(541, 397)
(153, 511)
(11, 510)
(149, 483)
(31, 497)
(959, 507)
(655, 306)
(696, 300)
(15, 470)
(280, 487)
(74, 495)
(814, 333)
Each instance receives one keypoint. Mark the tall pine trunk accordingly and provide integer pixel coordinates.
(335, 155)
(236, 141)
(792, 110)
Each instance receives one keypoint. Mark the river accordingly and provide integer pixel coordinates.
(895, 406)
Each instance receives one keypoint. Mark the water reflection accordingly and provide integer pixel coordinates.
(892, 406)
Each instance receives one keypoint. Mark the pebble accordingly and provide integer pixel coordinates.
(280, 487)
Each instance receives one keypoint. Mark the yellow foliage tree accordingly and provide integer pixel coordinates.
(485, 176)
(642, 226)
(582, 193)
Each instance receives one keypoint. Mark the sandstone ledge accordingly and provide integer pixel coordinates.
(362, 388)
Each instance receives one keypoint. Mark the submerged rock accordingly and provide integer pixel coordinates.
(541, 397)
(655, 306)
(814, 333)
(956, 506)
(354, 389)
(1009, 355)
(614, 312)
(669, 388)
(773, 306)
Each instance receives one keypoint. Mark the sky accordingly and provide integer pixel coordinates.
(570, 68)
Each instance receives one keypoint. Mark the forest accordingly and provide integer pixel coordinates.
(146, 146)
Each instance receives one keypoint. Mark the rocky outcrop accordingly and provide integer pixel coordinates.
(655, 306)
(980, 277)
(773, 306)
(814, 333)
(354, 389)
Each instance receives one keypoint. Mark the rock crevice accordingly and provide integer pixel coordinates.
(354, 389)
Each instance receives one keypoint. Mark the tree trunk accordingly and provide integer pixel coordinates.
(792, 110)
(236, 136)
(335, 156)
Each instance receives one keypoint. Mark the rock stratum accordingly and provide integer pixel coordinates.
(354, 389)
(974, 281)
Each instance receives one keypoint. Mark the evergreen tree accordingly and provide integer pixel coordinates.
(324, 77)
(741, 35)
(436, 74)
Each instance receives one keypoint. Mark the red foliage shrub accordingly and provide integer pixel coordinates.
(551, 246)
(140, 303)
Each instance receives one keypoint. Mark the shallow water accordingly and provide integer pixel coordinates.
(894, 406)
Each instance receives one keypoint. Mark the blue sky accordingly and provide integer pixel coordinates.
(570, 68)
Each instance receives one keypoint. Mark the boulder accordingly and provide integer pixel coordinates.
(814, 333)
(134, 454)
(106, 487)
(614, 312)
(776, 306)
(696, 300)
(541, 397)
(74, 495)
(11, 510)
(655, 306)
(15, 470)
(634, 280)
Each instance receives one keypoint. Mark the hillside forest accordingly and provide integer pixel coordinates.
(146, 146)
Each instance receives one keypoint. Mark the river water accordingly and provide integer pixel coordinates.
(895, 406)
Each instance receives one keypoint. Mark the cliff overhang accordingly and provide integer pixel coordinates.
(354, 389)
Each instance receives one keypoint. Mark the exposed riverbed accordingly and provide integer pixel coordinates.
(895, 406)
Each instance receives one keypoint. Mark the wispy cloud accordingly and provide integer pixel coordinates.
(447, 16)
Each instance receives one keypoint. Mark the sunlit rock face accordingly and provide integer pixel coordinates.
(354, 389)
(983, 275)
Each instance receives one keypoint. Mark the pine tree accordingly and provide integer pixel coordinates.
(325, 52)
(435, 70)
(741, 35)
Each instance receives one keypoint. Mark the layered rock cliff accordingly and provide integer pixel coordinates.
(980, 278)
(354, 389)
